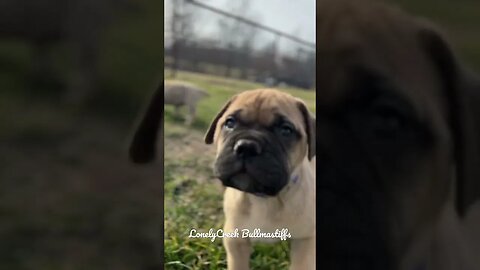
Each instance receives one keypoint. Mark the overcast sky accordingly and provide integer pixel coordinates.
(296, 17)
(291, 16)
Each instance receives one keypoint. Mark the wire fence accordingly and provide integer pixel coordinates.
(203, 38)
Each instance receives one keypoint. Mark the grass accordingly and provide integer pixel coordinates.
(193, 198)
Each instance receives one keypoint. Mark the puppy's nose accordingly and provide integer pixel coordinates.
(247, 148)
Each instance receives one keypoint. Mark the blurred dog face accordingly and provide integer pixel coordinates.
(386, 115)
(261, 137)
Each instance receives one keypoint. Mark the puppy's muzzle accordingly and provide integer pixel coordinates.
(245, 148)
(253, 164)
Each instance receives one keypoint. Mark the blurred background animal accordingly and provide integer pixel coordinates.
(181, 94)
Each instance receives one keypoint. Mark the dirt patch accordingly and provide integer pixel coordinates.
(186, 154)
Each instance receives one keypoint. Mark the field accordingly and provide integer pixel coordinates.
(193, 198)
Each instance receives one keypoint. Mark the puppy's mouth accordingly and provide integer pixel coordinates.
(248, 177)
(243, 181)
(253, 164)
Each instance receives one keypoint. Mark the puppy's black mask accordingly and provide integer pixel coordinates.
(368, 140)
(254, 159)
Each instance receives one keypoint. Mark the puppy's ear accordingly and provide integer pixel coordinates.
(142, 147)
(463, 97)
(310, 126)
(209, 136)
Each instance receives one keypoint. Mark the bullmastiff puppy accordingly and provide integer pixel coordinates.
(181, 94)
(397, 143)
(265, 142)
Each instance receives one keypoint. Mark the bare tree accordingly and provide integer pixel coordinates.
(264, 62)
(181, 28)
(246, 49)
(237, 35)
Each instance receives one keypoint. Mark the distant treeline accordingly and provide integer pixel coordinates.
(261, 66)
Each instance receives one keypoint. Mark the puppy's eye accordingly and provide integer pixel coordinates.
(387, 121)
(230, 123)
(286, 129)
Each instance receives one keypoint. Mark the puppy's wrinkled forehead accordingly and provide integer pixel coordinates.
(264, 107)
(369, 39)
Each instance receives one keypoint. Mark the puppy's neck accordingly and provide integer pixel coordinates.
(302, 173)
